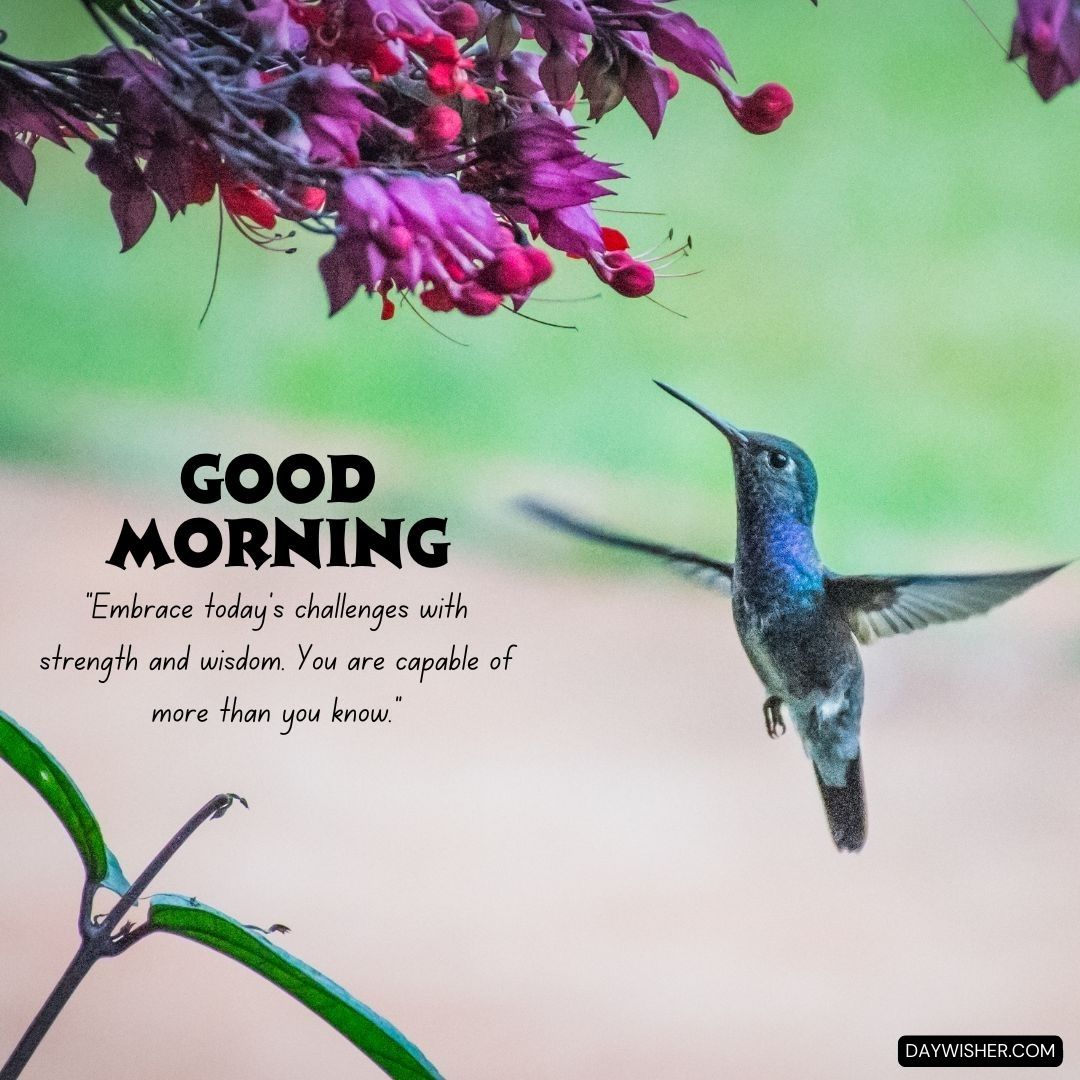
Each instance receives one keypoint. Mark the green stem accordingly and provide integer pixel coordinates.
(213, 809)
(76, 971)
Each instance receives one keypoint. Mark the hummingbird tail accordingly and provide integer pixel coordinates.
(845, 807)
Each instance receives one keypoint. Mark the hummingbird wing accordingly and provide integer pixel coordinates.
(700, 568)
(878, 607)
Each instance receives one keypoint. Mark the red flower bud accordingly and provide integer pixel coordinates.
(511, 272)
(1043, 38)
(460, 20)
(312, 199)
(395, 242)
(437, 126)
(475, 300)
(631, 278)
(437, 298)
(542, 266)
(672, 83)
(441, 47)
(764, 110)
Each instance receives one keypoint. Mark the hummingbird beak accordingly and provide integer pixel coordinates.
(730, 431)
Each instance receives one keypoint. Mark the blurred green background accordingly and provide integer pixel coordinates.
(891, 280)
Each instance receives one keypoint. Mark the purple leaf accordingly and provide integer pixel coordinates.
(559, 76)
(339, 273)
(17, 166)
(677, 38)
(647, 89)
(132, 202)
(573, 229)
(602, 82)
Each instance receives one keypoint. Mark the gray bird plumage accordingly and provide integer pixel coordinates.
(798, 621)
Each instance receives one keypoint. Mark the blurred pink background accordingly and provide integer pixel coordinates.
(593, 865)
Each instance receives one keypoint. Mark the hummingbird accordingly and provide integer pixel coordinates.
(799, 623)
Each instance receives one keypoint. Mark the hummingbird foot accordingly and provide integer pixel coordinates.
(774, 718)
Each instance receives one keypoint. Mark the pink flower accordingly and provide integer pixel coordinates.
(408, 231)
(332, 114)
(273, 27)
(534, 167)
(459, 20)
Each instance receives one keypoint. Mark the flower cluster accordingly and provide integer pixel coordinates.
(434, 141)
(1047, 32)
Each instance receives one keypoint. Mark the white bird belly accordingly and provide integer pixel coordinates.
(824, 719)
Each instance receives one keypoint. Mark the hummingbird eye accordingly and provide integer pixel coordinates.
(778, 459)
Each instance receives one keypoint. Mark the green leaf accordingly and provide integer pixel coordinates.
(50, 780)
(366, 1030)
(114, 877)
